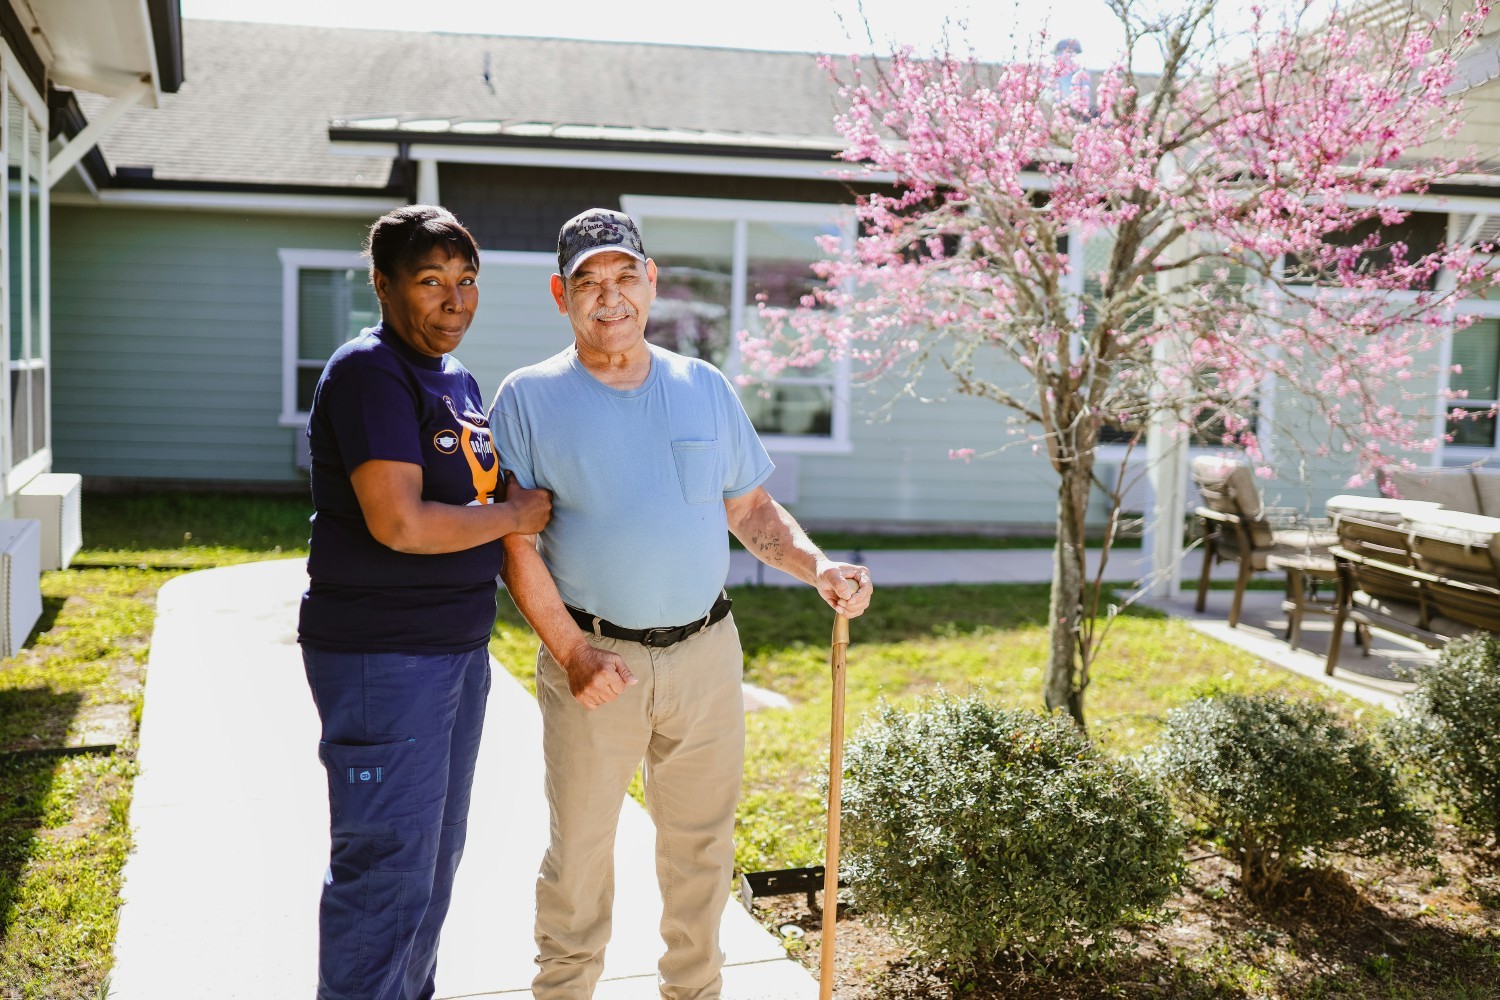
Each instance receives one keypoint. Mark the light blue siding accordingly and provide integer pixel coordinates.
(517, 323)
(166, 341)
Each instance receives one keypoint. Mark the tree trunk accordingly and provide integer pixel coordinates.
(1066, 677)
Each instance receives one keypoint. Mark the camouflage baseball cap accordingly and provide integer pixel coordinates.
(599, 230)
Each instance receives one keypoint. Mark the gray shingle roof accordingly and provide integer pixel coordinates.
(258, 98)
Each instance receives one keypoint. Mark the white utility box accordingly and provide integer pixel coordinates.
(56, 500)
(20, 583)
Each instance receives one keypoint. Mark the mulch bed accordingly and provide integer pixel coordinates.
(1361, 929)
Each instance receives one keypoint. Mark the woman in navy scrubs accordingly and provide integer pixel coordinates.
(409, 512)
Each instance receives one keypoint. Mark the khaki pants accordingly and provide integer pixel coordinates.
(685, 717)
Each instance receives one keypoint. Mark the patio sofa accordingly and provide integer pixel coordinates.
(1466, 488)
(1417, 567)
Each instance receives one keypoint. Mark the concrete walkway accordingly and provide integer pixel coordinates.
(230, 811)
(230, 816)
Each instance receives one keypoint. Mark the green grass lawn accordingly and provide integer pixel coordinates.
(191, 530)
(63, 829)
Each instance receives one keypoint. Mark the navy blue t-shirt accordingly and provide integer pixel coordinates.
(379, 399)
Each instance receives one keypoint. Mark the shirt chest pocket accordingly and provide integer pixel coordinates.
(698, 470)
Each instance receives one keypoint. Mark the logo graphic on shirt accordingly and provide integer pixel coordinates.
(473, 439)
(445, 442)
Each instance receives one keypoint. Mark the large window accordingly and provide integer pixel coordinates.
(326, 301)
(717, 261)
(25, 310)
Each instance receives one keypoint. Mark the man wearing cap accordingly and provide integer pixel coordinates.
(650, 458)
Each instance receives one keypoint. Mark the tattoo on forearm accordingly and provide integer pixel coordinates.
(768, 546)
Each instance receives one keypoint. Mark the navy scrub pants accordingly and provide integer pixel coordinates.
(400, 737)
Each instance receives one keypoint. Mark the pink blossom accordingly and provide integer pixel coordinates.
(1283, 166)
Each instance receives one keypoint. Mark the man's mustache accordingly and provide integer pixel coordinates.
(618, 313)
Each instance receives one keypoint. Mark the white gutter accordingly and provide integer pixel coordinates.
(645, 162)
(598, 159)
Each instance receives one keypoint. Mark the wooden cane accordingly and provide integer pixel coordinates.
(835, 801)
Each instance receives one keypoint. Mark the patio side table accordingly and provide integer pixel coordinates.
(1305, 572)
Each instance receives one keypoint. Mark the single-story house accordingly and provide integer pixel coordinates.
(205, 259)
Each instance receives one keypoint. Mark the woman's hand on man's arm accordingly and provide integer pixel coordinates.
(531, 509)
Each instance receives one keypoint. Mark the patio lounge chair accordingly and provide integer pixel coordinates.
(1236, 529)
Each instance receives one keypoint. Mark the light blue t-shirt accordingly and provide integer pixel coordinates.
(639, 534)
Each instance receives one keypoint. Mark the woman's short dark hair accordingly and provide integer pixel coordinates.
(399, 239)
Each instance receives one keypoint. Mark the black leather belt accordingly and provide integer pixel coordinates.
(658, 638)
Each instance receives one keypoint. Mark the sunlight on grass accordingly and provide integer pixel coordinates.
(64, 834)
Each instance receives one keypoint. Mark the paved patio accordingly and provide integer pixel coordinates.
(1375, 678)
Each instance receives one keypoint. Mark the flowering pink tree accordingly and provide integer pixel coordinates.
(1251, 200)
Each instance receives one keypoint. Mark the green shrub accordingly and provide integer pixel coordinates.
(976, 830)
(1281, 782)
(1452, 722)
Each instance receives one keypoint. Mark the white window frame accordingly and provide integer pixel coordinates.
(15, 85)
(293, 262)
(1457, 454)
(1449, 454)
(739, 214)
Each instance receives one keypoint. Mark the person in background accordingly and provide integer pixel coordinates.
(395, 623)
(650, 458)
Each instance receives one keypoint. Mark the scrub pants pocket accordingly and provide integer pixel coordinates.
(370, 798)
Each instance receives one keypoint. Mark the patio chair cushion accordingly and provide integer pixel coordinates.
(1457, 544)
(1228, 487)
(1453, 488)
(1380, 510)
(1293, 542)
